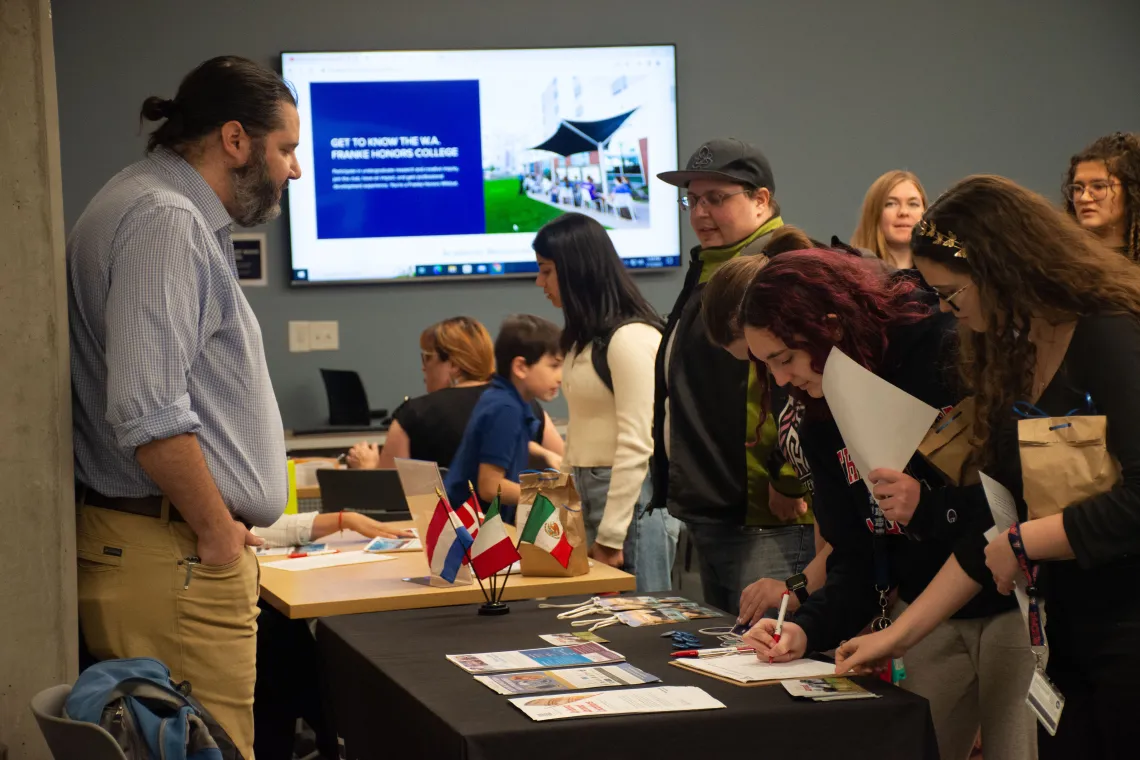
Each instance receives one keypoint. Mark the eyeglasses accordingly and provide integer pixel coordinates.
(711, 200)
(950, 298)
(1097, 190)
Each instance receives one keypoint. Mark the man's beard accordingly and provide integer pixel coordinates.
(256, 199)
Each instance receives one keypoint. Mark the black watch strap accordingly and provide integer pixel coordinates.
(797, 584)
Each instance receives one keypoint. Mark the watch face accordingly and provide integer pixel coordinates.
(797, 581)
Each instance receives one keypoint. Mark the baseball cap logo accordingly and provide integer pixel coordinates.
(703, 159)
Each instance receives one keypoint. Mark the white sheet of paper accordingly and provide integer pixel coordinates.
(1004, 511)
(748, 668)
(652, 699)
(881, 425)
(328, 560)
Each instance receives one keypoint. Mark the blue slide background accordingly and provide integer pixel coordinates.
(448, 110)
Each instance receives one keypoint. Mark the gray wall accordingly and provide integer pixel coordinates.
(836, 92)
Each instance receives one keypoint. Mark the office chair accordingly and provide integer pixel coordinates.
(348, 403)
(71, 739)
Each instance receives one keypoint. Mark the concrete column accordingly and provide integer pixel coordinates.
(38, 628)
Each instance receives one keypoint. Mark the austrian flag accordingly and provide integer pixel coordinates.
(544, 530)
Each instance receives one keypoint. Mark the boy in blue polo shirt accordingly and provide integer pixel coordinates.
(494, 449)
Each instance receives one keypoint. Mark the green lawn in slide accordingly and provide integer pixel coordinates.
(504, 208)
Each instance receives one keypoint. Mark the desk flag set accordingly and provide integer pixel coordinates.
(468, 537)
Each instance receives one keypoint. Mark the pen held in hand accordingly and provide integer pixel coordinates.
(718, 652)
(780, 620)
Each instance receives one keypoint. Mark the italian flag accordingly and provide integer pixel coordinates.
(544, 530)
(492, 550)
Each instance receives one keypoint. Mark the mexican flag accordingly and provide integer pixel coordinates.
(544, 530)
(492, 550)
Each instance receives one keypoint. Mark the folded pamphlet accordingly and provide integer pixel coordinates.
(567, 679)
(831, 689)
(534, 659)
(653, 699)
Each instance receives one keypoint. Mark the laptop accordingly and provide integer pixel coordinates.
(376, 493)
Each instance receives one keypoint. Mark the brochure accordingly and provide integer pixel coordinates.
(379, 544)
(638, 618)
(285, 551)
(653, 699)
(827, 689)
(531, 659)
(567, 679)
(746, 668)
(570, 639)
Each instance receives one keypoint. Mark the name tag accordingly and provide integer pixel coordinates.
(1045, 701)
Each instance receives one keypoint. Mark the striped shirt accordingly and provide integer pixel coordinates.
(163, 341)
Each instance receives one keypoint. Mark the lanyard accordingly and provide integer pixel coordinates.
(882, 566)
(1036, 631)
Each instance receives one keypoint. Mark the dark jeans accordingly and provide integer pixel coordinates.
(733, 556)
(287, 687)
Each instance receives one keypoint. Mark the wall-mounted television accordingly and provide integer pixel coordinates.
(443, 164)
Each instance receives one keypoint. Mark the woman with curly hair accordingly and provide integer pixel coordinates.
(1050, 317)
(1102, 191)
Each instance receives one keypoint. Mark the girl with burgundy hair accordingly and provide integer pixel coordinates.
(975, 668)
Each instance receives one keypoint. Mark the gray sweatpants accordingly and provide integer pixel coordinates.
(976, 672)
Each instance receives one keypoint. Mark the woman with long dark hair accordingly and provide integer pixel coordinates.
(610, 341)
(1050, 316)
(1102, 191)
(898, 535)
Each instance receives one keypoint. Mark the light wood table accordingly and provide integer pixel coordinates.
(380, 586)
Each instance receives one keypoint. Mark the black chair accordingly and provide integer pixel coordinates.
(348, 403)
(376, 493)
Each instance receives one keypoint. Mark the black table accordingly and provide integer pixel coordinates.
(392, 694)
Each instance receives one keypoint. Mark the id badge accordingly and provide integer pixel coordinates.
(1045, 701)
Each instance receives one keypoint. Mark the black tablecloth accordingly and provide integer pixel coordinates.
(392, 691)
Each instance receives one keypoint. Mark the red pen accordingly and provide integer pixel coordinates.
(718, 652)
(299, 555)
(780, 620)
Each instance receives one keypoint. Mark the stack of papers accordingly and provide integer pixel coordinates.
(567, 679)
(827, 689)
(532, 659)
(328, 560)
(747, 668)
(655, 699)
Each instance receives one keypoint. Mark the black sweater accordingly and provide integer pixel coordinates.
(920, 361)
(1092, 603)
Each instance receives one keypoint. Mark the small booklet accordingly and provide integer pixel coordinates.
(534, 659)
(570, 639)
(746, 668)
(308, 550)
(379, 544)
(827, 689)
(567, 679)
(660, 615)
(652, 699)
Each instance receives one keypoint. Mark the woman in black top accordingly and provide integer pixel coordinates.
(1049, 317)
(458, 361)
(800, 306)
(1102, 191)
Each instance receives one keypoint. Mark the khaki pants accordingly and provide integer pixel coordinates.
(976, 672)
(133, 603)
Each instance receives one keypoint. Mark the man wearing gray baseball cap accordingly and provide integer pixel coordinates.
(747, 523)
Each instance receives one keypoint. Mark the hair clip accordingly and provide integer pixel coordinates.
(947, 240)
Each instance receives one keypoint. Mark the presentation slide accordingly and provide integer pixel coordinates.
(443, 164)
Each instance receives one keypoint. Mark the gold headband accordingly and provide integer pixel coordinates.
(949, 240)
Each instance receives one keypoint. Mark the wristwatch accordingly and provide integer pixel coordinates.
(797, 584)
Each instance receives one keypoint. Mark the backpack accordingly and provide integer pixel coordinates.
(149, 715)
(600, 348)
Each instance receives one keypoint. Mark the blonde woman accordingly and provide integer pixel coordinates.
(893, 205)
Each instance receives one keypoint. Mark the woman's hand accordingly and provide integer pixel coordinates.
(868, 654)
(896, 492)
(783, 507)
(363, 456)
(606, 555)
(1002, 562)
(792, 645)
(370, 528)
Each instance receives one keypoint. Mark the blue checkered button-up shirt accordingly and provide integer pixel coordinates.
(163, 341)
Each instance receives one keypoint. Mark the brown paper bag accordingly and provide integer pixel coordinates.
(559, 488)
(948, 445)
(1064, 460)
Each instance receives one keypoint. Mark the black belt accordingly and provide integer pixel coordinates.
(145, 506)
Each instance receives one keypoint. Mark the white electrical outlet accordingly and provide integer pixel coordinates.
(299, 338)
(324, 336)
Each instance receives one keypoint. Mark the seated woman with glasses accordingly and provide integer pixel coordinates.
(1102, 191)
(458, 360)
